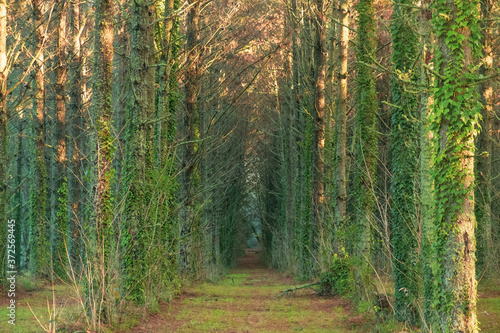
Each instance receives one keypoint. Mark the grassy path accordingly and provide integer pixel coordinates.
(248, 300)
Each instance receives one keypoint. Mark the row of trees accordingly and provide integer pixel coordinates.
(124, 143)
(143, 141)
(388, 179)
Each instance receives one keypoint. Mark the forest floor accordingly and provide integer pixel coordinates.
(249, 299)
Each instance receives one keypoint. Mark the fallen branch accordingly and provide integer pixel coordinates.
(287, 291)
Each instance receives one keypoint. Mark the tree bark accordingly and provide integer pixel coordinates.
(318, 196)
(139, 152)
(39, 226)
(454, 122)
(61, 223)
(101, 113)
(341, 121)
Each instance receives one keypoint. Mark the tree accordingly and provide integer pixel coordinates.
(188, 218)
(318, 195)
(103, 171)
(39, 227)
(61, 184)
(341, 119)
(366, 137)
(454, 123)
(483, 190)
(404, 128)
(138, 166)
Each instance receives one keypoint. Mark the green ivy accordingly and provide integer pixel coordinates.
(404, 149)
(454, 120)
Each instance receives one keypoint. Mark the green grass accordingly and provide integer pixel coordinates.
(66, 310)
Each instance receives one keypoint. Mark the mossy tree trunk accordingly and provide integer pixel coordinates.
(60, 182)
(454, 123)
(102, 169)
(39, 262)
(404, 126)
(366, 141)
(137, 226)
(426, 188)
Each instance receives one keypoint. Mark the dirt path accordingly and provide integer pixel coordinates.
(248, 300)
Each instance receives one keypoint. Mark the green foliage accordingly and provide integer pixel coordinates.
(61, 232)
(454, 122)
(404, 146)
(39, 231)
(366, 141)
(337, 280)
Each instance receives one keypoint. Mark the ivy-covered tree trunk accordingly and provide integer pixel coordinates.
(137, 224)
(426, 188)
(404, 126)
(454, 122)
(3, 141)
(101, 115)
(39, 261)
(341, 119)
(61, 223)
(366, 140)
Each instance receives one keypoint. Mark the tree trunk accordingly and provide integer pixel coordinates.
(188, 220)
(366, 141)
(75, 147)
(426, 188)
(39, 226)
(101, 113)
(61, 222)
(139, 153)
(454, 122)
(341, 121)
(404, 145)
(318, 186)
(483, 190)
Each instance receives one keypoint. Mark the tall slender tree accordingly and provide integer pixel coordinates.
(426, 188)
(39, 226)
(61, 223)
(139, 151)
(454, 122)
(483, 190)
(366, 138)
(404, 127)
(341, 119)
(188, 223)
(318, 195)
(103, 171)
